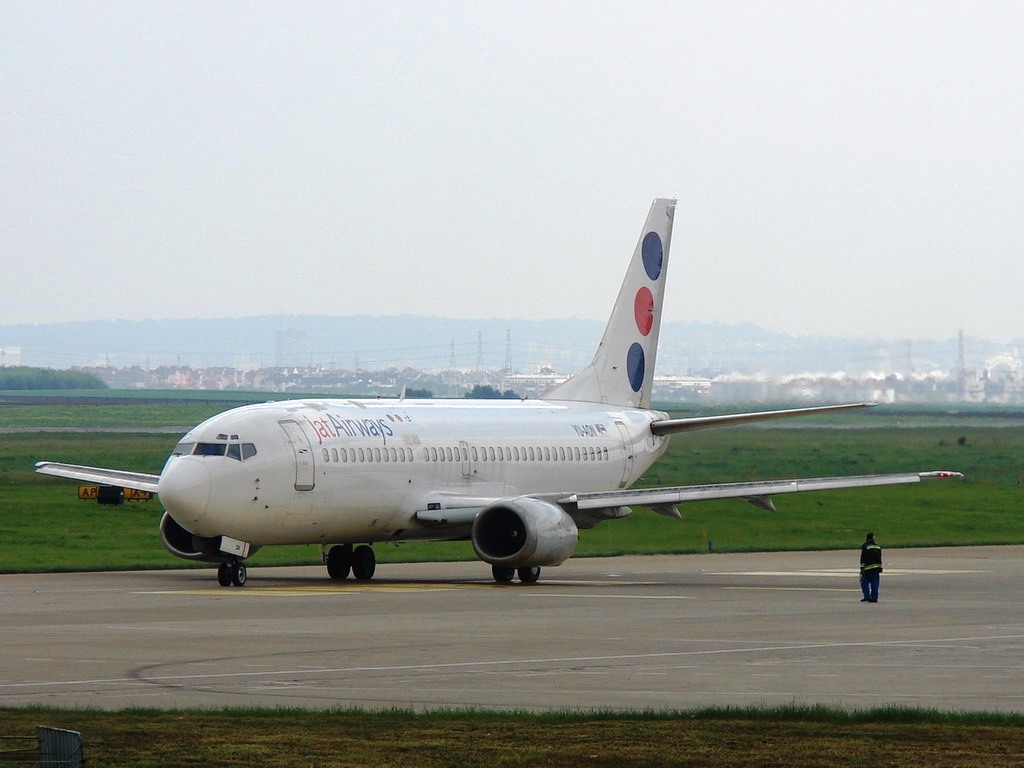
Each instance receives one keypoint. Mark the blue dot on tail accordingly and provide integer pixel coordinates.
(635, 366)
(653, 254)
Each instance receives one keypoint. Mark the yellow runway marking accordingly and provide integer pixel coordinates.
(308, 590)
(382, 588)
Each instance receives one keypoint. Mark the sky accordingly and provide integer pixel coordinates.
(842, 168)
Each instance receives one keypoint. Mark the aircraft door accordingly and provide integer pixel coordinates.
(627, 449)
(467, 468)
(305, 471)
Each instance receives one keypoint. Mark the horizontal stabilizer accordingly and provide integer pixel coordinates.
(140, 481)
(672, 426)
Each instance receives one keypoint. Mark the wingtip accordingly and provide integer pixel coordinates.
(941, 474)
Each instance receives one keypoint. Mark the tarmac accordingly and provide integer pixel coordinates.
(624, 633)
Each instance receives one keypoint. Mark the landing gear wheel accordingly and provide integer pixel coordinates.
(339, 561)
(224, 574)
(364, 563)
(529, 575)
(239, 575)
(503, 575)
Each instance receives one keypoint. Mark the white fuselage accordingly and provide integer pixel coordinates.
(323, 471)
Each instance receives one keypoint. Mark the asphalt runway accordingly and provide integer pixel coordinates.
(660, 632)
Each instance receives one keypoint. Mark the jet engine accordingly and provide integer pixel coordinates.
(184, 544)
(524, 532)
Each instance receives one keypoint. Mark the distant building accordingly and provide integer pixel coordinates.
(680, 387)
(532, 384)
(1000, 381)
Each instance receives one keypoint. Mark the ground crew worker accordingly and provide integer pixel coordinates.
(870, 569)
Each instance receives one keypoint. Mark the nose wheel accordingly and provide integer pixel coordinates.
(232, 574)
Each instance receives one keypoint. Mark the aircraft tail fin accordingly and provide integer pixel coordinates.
(622, 371)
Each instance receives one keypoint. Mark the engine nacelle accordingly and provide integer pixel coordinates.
(524, 532)
(186, 545)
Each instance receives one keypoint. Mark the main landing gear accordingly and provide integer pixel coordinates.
(342, 559)
(232, 574)
(504, 575)
(361, 563)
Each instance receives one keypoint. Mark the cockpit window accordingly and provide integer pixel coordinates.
(210, 449)
(236, 451)
(182, 449)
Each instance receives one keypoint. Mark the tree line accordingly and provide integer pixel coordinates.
(27, 378)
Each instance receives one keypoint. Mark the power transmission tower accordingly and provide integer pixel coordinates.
(508, 350)
(961, 366)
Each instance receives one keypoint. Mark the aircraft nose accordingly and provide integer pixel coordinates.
(184, 489)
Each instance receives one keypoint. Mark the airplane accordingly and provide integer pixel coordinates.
(518, 478)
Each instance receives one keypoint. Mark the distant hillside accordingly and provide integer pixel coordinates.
(432, 343)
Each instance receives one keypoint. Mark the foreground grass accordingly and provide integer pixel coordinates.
(724, 738)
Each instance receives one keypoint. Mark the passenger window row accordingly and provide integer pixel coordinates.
(367, 455)
(463, 453)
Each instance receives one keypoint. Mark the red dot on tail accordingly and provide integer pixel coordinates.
(643, 309)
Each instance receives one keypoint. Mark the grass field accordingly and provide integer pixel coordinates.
(793, 737)
(44, 527)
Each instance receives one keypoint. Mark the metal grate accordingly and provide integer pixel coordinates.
(59, 748)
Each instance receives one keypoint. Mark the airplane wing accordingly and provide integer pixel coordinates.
(590, 508)
(140, 481)
(671, 426)
(759, 493)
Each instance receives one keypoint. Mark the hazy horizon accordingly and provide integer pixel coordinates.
(425, 343)
(848, 170)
